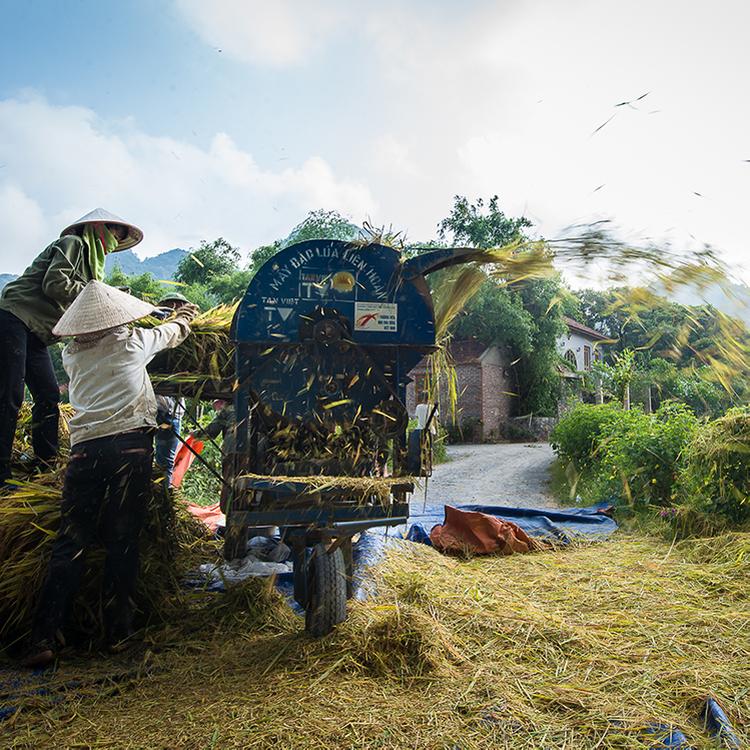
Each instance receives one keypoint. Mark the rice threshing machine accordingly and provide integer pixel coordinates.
(326, 335)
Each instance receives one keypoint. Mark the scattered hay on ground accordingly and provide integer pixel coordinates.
(575, 648)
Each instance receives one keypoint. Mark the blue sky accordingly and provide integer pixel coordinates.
(236, 117)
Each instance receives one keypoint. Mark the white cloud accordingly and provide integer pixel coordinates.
(503, 98)
(60, 162)
(277, 33)
(391, 157)
(22, 223)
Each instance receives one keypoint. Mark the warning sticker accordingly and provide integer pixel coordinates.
(376, 316)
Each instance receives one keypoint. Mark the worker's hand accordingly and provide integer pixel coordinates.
(187, 312)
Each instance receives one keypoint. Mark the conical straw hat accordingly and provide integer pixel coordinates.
(100, 307)
(100, 216)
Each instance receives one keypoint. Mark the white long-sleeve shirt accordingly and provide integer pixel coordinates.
(109, 389)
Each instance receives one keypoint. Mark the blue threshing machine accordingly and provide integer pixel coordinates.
(326, 336)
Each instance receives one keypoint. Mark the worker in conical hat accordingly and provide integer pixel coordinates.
(30, 306)
(169, 409)
(107, 483)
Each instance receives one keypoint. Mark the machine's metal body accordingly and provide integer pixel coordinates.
(326, 336)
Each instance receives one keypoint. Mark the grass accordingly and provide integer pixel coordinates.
(575, 648)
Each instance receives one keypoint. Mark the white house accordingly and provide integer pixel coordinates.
(580, 346)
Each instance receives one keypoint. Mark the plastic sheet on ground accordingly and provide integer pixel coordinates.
(210, 515)
(368, 550)
(249, 566)
(561, 525)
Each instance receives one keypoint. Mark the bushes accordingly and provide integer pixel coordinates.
(625, 455)
(696, 473)
(577, 435)
(644, 453)
(716, 480)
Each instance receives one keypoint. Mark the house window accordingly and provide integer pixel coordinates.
(586, 357)
(570, 358)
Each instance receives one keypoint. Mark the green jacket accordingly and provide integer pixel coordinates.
(41, 294)
(224, 424)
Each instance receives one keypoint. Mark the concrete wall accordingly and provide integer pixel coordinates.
(577, 343)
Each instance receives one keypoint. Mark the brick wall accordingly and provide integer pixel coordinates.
(497, 404)
(483, 390)
(469, 377)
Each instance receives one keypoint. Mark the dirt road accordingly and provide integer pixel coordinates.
(514, 474)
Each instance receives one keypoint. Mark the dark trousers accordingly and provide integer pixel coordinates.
(24, 358)
(106, 492)
(165, 445)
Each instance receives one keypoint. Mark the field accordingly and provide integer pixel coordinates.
(581, 647)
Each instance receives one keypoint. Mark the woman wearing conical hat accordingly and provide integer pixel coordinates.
(30, 306)
(107, 483)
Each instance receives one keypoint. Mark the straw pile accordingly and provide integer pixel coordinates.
(715, 480)
(581, 648)
(29, 519)
(22, 439)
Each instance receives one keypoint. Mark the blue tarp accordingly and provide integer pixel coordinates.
(559, 524)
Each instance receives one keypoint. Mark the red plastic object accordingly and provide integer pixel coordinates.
(210, 515)
(184, 458)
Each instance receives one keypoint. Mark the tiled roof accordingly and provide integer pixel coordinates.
(467, 350)
(574, 325)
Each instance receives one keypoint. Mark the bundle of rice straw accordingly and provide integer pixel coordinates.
(29, 519)
(206, 358)
(22, 438)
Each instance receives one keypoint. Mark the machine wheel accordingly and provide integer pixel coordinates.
(326, 605)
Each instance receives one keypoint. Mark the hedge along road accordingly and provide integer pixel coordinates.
(514, 474)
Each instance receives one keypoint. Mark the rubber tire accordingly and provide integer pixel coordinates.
(326, 606)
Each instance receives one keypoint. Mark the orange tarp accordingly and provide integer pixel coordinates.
(184, 458)
(211, 515)
(480, 534)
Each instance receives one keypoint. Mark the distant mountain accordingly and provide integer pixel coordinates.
(162, 266)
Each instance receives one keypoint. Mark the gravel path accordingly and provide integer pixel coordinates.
(514, 474)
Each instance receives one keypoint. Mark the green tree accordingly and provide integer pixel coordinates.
(262, 254)
(327, 225)
(144, 285)
(479, 226)
(495, 317)
(201, 295)
(526, 317)
(231, 287)
(209, 261)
